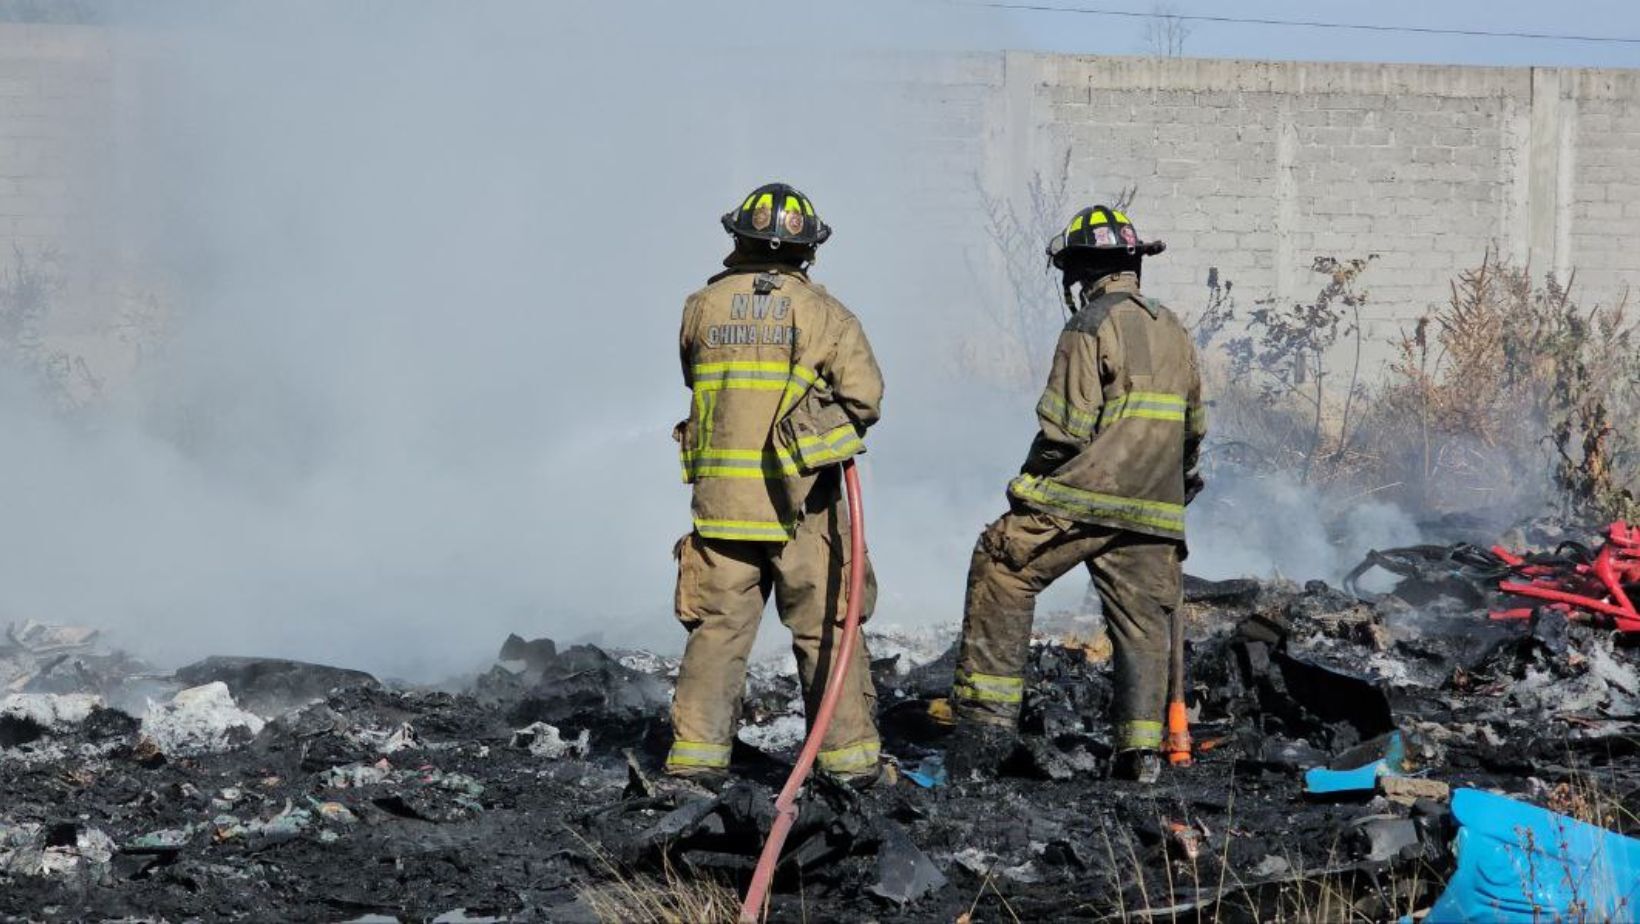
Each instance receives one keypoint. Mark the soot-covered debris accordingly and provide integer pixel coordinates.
(260, 789)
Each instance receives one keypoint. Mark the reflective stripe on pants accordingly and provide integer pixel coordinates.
(1138, 578)
(697, 754)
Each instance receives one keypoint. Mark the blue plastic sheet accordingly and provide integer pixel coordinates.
(1321, 781)
(1520, 863)
(929, 772)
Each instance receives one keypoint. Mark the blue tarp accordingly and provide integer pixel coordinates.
(1322, 781)
(1521, 863)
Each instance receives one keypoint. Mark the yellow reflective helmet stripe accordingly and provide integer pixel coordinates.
(792, 205)
(747, 205)
(808, 208)
(1121, 218)
(767, 199)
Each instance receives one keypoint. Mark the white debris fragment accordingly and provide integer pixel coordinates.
(49, 710)
(15, 840)
(781, 733)
(1270, 867)
(42, 638)
(975, 860)
(23, 852)
(199, 720)
(545, 740)
(913, 647)
(647, 662)
(355, 775)
(387, 741)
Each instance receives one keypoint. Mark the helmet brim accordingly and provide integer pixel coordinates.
(822, 233)
(1059, 248)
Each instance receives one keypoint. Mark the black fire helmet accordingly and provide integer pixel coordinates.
(779, 214)
(1100, 229)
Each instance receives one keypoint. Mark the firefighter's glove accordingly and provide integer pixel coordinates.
(1193, 485)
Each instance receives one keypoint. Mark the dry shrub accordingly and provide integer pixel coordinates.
(1512, 394)
(1281, 403)
(1509, 397)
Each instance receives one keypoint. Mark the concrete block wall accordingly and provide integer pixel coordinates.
(56, 133)
(1256, 168)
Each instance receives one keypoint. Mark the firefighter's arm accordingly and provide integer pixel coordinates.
(1195, 432)
(856, 382)
(1068, 411)
(685, 335)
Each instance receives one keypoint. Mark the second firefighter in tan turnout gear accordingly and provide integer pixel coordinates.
(1105, 485)
(783, 386)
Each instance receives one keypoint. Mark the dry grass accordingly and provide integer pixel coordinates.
(675, 898)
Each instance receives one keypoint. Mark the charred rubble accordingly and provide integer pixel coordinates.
(257, 789)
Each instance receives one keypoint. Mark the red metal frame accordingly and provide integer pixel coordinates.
(1582, 590)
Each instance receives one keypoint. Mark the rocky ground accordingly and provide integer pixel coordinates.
(261, 790)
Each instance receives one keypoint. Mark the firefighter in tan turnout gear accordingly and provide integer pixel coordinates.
(1105, 484)
(784, 386)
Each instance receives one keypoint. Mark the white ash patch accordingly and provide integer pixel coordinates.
(647, 662)
(780, 734)
(546, 741)
(52, 711)
(199, 720)
(913, 646)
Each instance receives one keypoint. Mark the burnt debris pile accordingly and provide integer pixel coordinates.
(1332, 728)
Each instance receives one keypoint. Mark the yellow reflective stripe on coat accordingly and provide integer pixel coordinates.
(1149, 405)
(768, 464)
(750, 375)
(832, 446)
(745, 530)
(1078, 504)
(989, 688)
(1146, 735)
(852, 759)
(698, 754)
(1056, 410)
(1195, 420)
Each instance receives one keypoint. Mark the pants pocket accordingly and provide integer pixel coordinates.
(686, 598)
(1015, 539)
(842, 550)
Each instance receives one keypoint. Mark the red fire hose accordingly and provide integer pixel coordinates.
(785, 806)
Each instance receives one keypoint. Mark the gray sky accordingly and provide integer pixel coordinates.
(1089, 34)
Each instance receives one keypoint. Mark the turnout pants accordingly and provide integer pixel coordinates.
(1139, 581)
(723, 587)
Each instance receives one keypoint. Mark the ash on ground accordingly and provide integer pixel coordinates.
(257, 789)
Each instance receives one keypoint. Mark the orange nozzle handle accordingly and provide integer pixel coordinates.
(1178, 734)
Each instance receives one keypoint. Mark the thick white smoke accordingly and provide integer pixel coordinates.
(426, 262)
